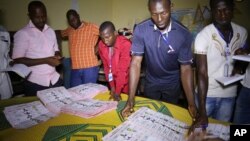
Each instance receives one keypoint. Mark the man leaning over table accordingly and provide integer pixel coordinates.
(35, 45)
(114, 51)
(166, 45)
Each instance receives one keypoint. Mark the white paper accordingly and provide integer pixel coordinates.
(21, 69)
(242, 57)
(229, 80)
(148, 125)
(26, 115)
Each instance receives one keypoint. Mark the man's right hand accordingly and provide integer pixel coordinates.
(54, 61)
(128, 109)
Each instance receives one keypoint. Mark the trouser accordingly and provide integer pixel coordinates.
(31, 89)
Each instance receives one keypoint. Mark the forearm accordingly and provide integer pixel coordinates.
(30, 62)
(202, 92)
(134, 74)
(187, 79)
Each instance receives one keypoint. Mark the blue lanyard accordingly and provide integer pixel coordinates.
(227, 50)
(165, 38)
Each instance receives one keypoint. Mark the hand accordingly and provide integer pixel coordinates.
(240, 51)
(112, 93)
(54, 61)
(201, 121)
(128, 109)
(117, 97)
(202, 136)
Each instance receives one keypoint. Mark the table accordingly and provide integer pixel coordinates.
(68, 127)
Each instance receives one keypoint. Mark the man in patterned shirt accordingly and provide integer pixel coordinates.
(83, 37)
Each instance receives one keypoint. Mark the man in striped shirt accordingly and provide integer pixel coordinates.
(83, 37)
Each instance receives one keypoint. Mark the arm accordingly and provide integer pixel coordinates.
(123, 67)
(187, 82)
(134, 74)
(52, 61)
(202, 75)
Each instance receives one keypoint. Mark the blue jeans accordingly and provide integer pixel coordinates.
(66, 72)
(83, 76)
(242, 108)
(220, 108)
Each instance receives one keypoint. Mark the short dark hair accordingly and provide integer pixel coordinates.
(230, 3)
(35, 4)
(155, 1)
(71, 12)
(107, 24)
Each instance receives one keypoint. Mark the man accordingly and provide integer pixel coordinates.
(166, 46)
(35, 45)
(214, 47)
(83, 37)
(114, 51)
(6, 90)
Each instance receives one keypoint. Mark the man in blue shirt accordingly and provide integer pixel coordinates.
(166, 45)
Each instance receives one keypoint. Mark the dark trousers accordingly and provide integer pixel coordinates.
(164, 93)
(31, 89)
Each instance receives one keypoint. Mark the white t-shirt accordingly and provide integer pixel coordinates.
(209, 42)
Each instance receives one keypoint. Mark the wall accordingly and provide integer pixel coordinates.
(124, 13)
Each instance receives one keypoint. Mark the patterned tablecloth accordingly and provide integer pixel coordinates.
(71, 128)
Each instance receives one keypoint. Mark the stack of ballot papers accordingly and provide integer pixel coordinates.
(55, 98)
(148, 125)
(26, 115)
(88, 90)
(89, 108)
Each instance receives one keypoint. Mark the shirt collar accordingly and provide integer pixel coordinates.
(168, 28)
(31, 25)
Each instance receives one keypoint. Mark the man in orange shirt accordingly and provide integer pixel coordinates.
(83, 37)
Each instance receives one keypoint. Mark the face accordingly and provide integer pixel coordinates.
(108, 37)
(38, 16)
(222, 13)
(74, 21)
(160, 14)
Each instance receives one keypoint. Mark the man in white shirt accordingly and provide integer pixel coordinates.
(214, 47)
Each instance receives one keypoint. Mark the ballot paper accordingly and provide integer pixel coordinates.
(89, 108)
(55, 98)
(20, 69)
(229, 80)
(86, 91)
(242, 57)
(22, 116)
(148, 125)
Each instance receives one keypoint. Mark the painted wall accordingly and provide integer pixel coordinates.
(124, 13)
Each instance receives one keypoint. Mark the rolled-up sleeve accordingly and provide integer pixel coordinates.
(137, 48)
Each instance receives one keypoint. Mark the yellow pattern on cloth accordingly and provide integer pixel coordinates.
(69, 127)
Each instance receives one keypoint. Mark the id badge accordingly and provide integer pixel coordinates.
(110, 76)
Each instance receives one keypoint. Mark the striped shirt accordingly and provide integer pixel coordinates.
(82, 42)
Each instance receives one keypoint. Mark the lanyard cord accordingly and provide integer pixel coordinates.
(227, 49)
(110, 59)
